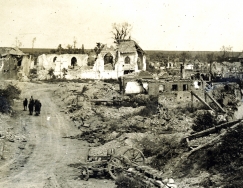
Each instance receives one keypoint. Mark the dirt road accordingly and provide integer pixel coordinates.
(41, 157)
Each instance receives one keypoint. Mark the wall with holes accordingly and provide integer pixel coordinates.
(58, 62)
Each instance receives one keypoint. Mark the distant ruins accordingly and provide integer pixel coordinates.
(110, 63)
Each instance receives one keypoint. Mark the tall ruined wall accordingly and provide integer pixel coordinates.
(133, 61)
(26, 64)
(56, 61)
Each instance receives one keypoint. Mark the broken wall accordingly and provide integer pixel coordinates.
(133, 87)
(9, 68)
(26, 64)
(54, 60)
(133, 61)
(176, 86)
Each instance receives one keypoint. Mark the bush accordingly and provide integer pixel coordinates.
(226, 158)
(33, 71)
(6, 97)
(203, 121)
(10, 93)
(51, 72)
(162, 150)
(123, 181)
(91, 61)
(4, 105)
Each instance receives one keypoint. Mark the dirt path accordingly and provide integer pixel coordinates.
(43, 161)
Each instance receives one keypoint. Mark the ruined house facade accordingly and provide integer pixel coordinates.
(131, 55)
(112, 62)
(14, 64)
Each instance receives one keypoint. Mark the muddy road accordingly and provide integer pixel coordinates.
(41, 157)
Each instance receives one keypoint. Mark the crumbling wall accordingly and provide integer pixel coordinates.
(183, 96)
(42, 61)
(133, 87)
(26, 64)
(99, 64)
(133, 61)
(54, 60)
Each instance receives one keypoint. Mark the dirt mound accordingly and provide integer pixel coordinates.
(120, 144)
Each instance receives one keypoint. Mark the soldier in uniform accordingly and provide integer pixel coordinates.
(25, 103)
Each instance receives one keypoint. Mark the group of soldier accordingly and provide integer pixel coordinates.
(34, 105)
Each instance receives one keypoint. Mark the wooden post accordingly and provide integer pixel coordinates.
(123, 86)
(205, 96)
(2, 149)
(192, 101)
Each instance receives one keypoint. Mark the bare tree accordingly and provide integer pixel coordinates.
(226, 50)
(18, 43)
(98, 48)
(210, 59)
(74, 42)
(82, 50)
(33, 43)
(184, 56)
(60, 49)
(121, 31)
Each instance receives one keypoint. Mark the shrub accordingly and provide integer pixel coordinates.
(6, 97)
(91, 61)
(226, 158)
(123, 181)
(151, 105)
(161, 150)
(10, 93)
(33, 71)
(4, 105)
(203, 121)
(51, 72)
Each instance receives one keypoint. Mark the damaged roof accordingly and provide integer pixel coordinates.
(4, 51)
(129, 46)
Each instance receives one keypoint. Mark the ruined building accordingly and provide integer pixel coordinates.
(110, 63)
(14, 64)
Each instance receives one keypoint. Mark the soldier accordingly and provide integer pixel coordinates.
(25, 103)
(31, 98)
(37, 107)
(31, 107)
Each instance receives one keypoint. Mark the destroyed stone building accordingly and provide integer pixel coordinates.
(110, 63)
(14, 64)
(58, 62)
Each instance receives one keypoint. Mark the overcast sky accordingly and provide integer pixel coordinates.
(157, 24)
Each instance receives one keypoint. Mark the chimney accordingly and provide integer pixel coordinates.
(181, 69)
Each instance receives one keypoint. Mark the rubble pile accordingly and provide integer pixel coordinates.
(117, 113)
(120, 144)
(144, 176)
(11, 137)
(43, 75)
(100, 124)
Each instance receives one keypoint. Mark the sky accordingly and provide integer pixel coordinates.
(188, 25)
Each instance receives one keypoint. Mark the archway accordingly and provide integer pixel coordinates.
(73, 61)
(108, 58)
(140, 64)
(18, 62)
(108, 61)
(54, 59)
(127, 60)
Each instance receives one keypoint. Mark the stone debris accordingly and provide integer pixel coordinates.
(11, 137)
(149, 177)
